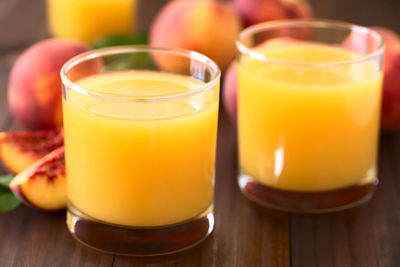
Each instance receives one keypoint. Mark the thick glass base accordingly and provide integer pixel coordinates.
(139, 241)
(306, 202)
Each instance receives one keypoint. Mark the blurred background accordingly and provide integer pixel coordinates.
(23, 22)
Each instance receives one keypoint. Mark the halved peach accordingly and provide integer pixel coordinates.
(19, 150)
(43, 185)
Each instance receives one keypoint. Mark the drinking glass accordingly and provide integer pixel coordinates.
(309, 97)
(140, 138)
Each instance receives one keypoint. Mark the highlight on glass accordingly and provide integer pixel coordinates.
(309, 97)
(140, 139)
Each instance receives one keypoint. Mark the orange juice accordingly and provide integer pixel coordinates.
(304, 128)
(87, 20)
(143, 163)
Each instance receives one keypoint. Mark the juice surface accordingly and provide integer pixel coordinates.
(308, 128)
(142, 163)
(87, 20)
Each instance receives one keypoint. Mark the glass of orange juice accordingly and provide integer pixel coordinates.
(140, 138)
(309, 97)
(87, 20)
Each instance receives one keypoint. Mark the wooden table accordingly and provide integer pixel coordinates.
(245, 234)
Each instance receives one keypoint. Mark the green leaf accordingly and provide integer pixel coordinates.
(5, 180)
(8, 201)
(126, 61)
(137, 60)
(116, 40)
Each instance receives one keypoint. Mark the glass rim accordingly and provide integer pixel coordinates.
(115, 50)
(315, 23)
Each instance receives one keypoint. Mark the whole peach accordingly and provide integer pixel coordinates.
(257, 11)
(34, 88)
(206, 26)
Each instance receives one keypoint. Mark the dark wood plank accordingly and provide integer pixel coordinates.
(22, 22)
(4, 113)
(333, 240)
(386, 204)
(33, 238)
(6, 62)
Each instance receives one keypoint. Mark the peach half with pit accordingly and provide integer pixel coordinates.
(43, 185)
(20, 149)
